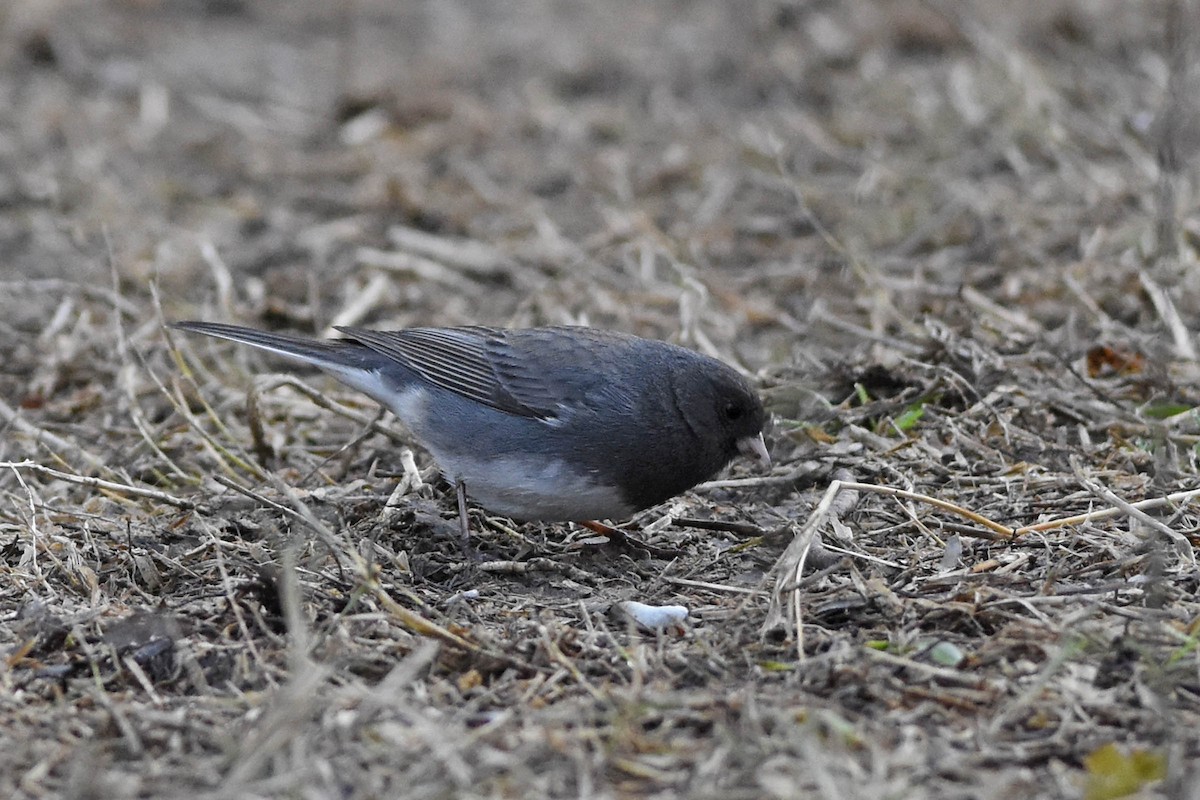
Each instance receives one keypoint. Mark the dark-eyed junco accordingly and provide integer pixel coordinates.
(555, 423)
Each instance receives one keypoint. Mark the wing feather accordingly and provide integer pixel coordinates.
(475, 362)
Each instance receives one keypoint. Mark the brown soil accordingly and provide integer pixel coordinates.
(955, 242)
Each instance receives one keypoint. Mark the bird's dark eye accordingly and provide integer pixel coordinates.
(733, 412)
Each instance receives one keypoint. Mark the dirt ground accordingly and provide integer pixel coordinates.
(954, 243)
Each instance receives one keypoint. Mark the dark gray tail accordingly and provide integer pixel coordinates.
(325, 354)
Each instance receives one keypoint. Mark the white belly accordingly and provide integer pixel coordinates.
(520, 488)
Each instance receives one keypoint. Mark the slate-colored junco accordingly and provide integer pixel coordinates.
(554, 423)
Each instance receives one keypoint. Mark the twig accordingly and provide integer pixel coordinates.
(1182, 545)
(406, 263)
(790, 566)
(56, 286)
(223, 454)
(364, 574)
(11, 416)
(374, 293)
(1105, 513)
(1167, 312)
(467, 254)
(125, 376)
(1004, 531)
(790, 476)
(712, 587)
(103, 485)
(275, 381)
(1017, 319)
(740, 528)
(944, 674)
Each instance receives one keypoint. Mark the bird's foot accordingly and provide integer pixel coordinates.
(623, 540)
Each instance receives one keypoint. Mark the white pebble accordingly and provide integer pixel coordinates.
(653, 617)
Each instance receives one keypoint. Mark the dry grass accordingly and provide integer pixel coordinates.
(955, 241)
